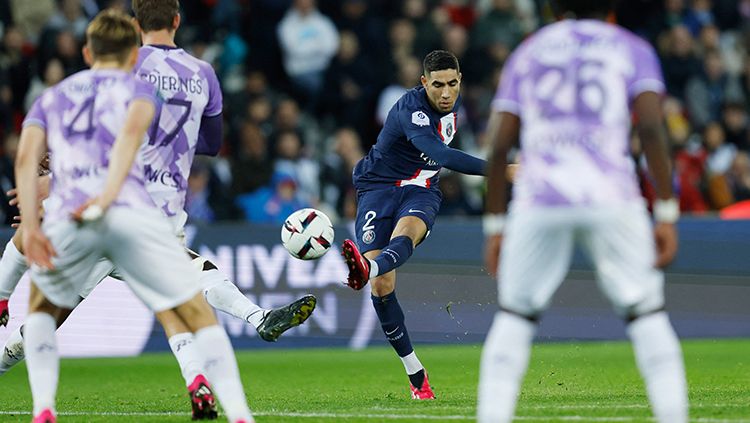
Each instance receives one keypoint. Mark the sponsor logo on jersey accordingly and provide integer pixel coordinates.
(368, 237)
(172, 179)
(80, 172)
(419, 118)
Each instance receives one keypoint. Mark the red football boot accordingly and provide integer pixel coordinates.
(4, 312)
(359, 267)
(424, 392)
(202, 399)
(46, 416)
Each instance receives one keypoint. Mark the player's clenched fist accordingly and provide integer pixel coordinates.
(665, 235)
(38, 248)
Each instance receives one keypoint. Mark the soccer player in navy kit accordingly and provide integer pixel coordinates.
(398, 196)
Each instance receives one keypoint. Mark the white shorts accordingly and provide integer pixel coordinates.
(104, 267)
(538, 246)
(178, 222)
(139, 243)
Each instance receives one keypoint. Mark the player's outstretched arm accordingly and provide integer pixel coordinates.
(450, 157)
(650, 127)
(140, 114)
(502, 132)
(32, 146)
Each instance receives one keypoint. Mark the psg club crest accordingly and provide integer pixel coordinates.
(447, 128)
(368, 237)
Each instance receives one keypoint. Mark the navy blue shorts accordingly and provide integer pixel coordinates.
(379, 210)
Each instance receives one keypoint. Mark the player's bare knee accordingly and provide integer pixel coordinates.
(205, 321)
(196, 313)
(47, 307)
(37, 300)
(412, 227)
(172, 323)
(384, 284)
(38, 303)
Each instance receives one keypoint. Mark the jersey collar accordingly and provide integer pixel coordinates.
(162, 46)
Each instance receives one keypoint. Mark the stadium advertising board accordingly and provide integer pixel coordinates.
(445, 294)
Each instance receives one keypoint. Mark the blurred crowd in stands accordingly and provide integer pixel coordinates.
(307, 85)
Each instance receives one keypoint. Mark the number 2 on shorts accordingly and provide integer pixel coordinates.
(369, 216)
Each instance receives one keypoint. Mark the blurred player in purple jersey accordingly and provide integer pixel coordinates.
(398, 197)
(189, 123)
(93, 124)
(568, 93)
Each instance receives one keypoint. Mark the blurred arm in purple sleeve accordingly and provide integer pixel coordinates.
(210, 135)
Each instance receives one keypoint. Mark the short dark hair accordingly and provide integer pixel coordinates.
(111, 34)
(155, 15)
(438, 60)
(586, 8)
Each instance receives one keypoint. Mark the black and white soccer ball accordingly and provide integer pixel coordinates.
(307, 234)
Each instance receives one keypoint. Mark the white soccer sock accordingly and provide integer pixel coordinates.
(222, 372)
(12, 267)
(374, 268)
(187, 355)
(12, 352)
(659, 358)
(504, 362)
(411, 363)
(223, 295)
(42, 361)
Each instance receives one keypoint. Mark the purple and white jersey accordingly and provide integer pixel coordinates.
(190, 90)
(572, 84)
(82, 116)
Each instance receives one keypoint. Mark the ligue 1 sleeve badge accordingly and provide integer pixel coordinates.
(419, 118)
(368, 237)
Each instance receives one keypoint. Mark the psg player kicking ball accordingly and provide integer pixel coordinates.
(398, 197)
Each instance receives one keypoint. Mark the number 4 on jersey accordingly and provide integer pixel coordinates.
(82, 123)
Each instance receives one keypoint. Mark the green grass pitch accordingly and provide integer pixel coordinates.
(587, 382)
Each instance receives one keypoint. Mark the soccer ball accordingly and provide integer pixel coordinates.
(307, 234)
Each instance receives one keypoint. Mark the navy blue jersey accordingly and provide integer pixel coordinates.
(394, 160)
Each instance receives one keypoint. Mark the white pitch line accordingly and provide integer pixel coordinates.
(618, 406)
(577, 407)
(373, 416)
(259, 414)
(621, 419)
